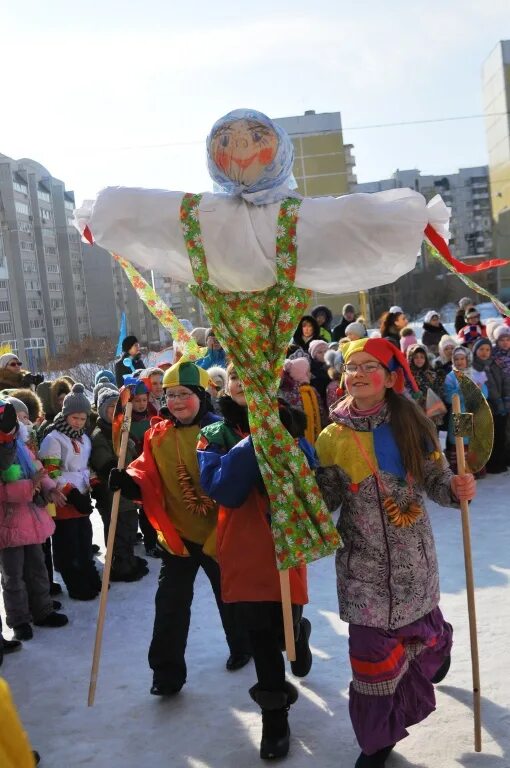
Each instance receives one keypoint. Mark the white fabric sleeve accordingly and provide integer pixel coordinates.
(142, 225)
(344, 244)
(363, 240)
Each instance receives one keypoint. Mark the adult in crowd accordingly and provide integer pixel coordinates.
(13, 376)
(348, 316)
(460, 317)
(215, 353)
(324, 317)
(392, 322)
(308, 330)
(130, 360)
(433, 330)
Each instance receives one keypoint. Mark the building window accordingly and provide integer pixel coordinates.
(56, 303)
(54, 268)
(24, 226)
(46, 214)
(20, 188)
(4, 283)
(27, 245)
(50, 250)
(58, 321)
(34, 304)
(44, 196)
(54, 286)
(35, 322)
(5, 328)
(69, 205)
(48, 233)
(74, 237)
(4, 306)
(22, 208)
(29, 266)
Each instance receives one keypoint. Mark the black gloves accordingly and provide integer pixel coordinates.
(80, 501)
(119, 480)
(30, 379)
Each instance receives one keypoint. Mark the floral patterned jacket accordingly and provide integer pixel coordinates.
(387, 577)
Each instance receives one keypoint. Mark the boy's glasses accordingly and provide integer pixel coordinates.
(173, 397)
(351, 369)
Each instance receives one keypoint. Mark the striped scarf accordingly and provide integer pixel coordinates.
(61, 425)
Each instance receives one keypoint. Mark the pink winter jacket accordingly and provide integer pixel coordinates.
(21, 521)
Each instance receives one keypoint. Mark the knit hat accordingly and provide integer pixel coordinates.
(465, 302)
(469, 334)
(128, 342)
(76, 401)
(491, 325)
(19, 406)
(356, 328)
(348, 308)
(7, 358)
(298, 369)
(428, 317)
(500, 331)
(446, 341)
(329, 357)
(106, 398)
(315, 346)
(218, 376)
(146, 373)
(461, 351)
(136, 385)
(480, 343)
(103, 383)
(407, 341)
(104, 374)
(471, 311)
(186, 374)
(387, 354)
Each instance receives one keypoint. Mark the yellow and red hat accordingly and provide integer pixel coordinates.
(388, 355)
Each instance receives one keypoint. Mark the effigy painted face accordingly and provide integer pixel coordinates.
(243, 149)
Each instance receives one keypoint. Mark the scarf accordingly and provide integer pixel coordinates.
(61, 425)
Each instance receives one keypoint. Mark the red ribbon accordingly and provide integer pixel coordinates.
(465, 269)
(87, 234)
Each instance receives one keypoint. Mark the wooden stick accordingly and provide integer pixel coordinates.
(108, 560)
(288, 624)
(470, 587)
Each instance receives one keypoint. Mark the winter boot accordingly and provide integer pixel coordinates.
(275, 726)
(303, 663)
(53, 619)
(377, 760)
(442, 671)
(23, 632)
(9, 646)
(237, 661)
(55, 588)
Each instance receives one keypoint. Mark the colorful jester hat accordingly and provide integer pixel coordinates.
(388, 355)
(250, 155)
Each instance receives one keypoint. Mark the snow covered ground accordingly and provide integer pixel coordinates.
(214, 724)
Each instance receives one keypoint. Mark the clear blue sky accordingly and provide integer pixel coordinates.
(88, 89)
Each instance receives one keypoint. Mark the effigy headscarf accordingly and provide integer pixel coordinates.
(277, 180)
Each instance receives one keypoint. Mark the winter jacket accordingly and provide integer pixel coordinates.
(67, 463)
(102, 460)
(125, 365)
(393, 337)
(298, 342)
(22, 522)
(49, 392)
(230, 475)
(387, 576)
(19, 379)
(154, 471)
(432, 334)
(339, 330)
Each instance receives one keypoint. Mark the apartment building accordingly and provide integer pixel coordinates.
(43, 301)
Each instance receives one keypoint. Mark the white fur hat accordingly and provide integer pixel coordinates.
(501, 330)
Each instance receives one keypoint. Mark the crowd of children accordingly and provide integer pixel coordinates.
(357, 407)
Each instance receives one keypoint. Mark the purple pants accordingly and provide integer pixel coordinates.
(391, 671)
